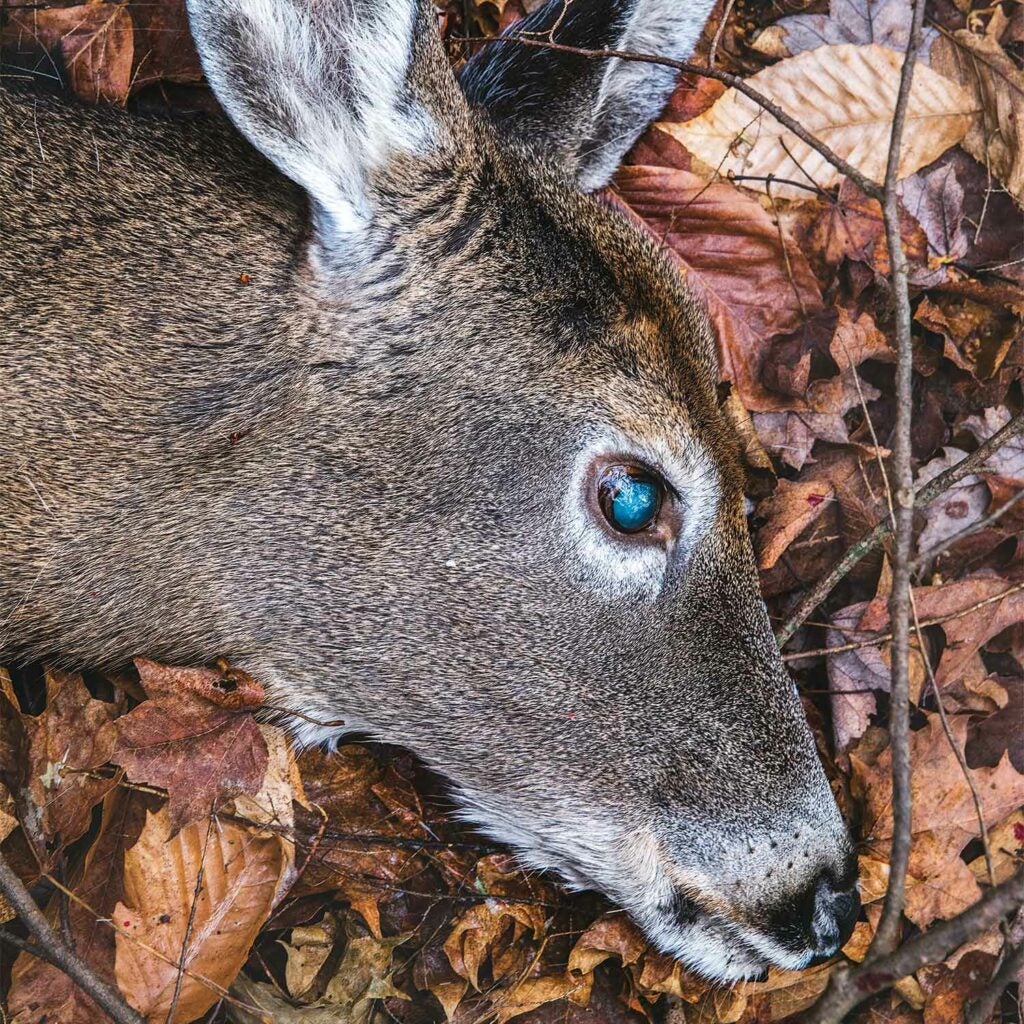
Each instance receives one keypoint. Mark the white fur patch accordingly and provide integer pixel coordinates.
(319, 88)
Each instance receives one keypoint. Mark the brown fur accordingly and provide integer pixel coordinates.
(347, 473)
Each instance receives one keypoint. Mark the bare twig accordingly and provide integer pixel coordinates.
(857, 645)
(864, 183)
(887, 932)
(716, 42)
(196, 893)
(849, 987)
(924, 497)
(103, 994)
(980, 1011)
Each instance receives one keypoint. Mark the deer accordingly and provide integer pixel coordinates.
(364, 390)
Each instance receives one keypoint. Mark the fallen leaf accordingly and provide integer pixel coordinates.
(307, 950)
(853, 676)
(957, 508)
(845, 96)
(164, 51)
(995, 137)
(530, 993)
(342, 786)
(1000, 732)
(885, 22)
(95, 41)
(947, 990)
(610, 935)
(935, 199)
(1007, 460)
(54, 799)
(789, 511)
(194, 737)
(40, 992)
(973, 622)
(944, 819)
(161, 921)
(753, 282)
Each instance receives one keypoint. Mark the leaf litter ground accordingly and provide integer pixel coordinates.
(194, 859)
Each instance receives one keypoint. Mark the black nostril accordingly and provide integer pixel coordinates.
(835, 914)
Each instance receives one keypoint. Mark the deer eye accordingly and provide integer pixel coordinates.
(630, 497)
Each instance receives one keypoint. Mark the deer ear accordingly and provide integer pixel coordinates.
(330, 90)
(584, 112)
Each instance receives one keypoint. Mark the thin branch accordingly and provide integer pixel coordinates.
(887, 933)
(849, 987)
(196, 892)
(924, 497)
(32, 948)
(857, 645)
(716, 42)
(104, 995)
(864, 183)
(980, 1011)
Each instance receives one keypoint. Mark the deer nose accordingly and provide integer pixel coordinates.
(834, 912)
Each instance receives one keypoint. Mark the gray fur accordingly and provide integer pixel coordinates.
(354, 476)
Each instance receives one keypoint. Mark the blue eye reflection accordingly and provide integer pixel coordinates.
(630, 497)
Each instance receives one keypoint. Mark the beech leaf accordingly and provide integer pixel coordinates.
(845, 96)
(157, 924)
(996, 85)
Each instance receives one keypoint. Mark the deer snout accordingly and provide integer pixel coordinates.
(818, 921)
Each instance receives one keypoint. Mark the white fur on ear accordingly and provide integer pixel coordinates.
(320, 87)
(632, 93)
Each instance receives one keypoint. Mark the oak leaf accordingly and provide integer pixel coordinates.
(194, 737)
(944, 819)
(171, 915)
(54, 799)
(845, 96)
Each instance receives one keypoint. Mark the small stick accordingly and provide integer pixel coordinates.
(849, 987)
(924, 497)
(104, 995)
(887, 932)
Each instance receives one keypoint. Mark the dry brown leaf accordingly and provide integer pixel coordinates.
(789, 511)
(845, 96)
(345, 787)
(754, 283)
(72, 734)
(996, 85)
(96, 42)
(610, 935)
(40, 992)
(194, 737)
(944, 819)
(1006, 844)
(241, 874)
(530, 993)
(477, 930)
(307, 950)
(972, 626)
